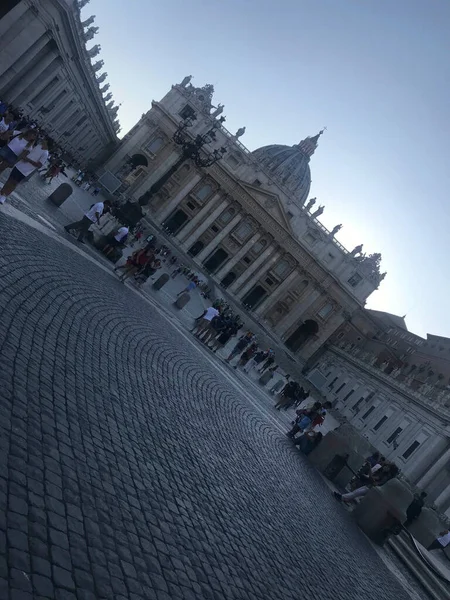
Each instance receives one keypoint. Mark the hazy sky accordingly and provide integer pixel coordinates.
(375, 72)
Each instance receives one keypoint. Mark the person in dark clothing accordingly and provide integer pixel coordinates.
(415, 508)
(287, 395)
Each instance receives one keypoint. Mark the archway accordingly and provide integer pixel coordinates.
(138, 160)
(215, 260)
(176, 221)
(196, 248)
(228, 279)
(301, 334)
(254, 297)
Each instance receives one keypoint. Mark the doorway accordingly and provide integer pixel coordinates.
(176, 221)
(228, 279)
(301, 334)
(254, 297)
(215, 260)
(196, 248)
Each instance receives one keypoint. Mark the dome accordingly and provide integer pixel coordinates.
(289, 165)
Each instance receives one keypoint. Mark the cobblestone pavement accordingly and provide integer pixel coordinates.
(131, 468)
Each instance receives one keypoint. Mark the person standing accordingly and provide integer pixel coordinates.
(16, 148)
(279, 384)
(34, 159)
(117, 239)
(90, 217)
(190, 287)
(204, 323)
(242, 343)
(415, 508)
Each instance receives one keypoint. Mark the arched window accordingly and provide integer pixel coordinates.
(226, 216)
(203, 192)
(243, 230)
(259, 246)
(281, 268)
(154, 145)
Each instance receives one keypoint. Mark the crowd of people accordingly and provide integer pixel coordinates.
(26, 149)
(375, 472)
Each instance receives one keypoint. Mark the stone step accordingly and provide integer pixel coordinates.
(434, 584)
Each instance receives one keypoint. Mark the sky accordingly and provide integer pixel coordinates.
(374, 72)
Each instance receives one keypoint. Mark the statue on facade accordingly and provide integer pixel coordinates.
(310, 204)
(356, 250)
(102, 77)
(335, 229)
(105, 88)
(318, 212)
(108, 97)
(94, 51)
(240, 132)
(98, 65)
(218, 111)
(110, 105)
(82, 3)
(186, 81)
(89, 34)
(88, 22)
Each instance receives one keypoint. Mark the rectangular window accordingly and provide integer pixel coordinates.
(368, 413)
(355, 279)
(325, 311)
(243, 231)
(394, 435)
(411, 449)
(246, 260)
(340, 387)
(257, 183)
(214, 228)
(187, 112)
(232, 161)
(358, 404)
(310, 239)
(191, 205)
(380, 423)
(345, 398)
(269, 281)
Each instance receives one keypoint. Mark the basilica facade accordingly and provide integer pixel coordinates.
(246, 220)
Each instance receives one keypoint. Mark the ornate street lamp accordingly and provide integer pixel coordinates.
(191, 149)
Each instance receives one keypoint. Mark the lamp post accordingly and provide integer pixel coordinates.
(191, 149)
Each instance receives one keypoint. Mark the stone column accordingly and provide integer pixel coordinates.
(443, 500)
(237, 257)
(66, 114)
(44, 93)
(199, 217)
(219, 237)
(175, 201)
(252, 268)
(71, 120)
(287, 322)
(21, 63)
(30, 77)
(434, 471)
(270, 300)
(260, 273)
(204, 226)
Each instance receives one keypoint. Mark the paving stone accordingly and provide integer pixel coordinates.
(131, 468)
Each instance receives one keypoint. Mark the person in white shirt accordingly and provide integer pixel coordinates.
(205, 322)
(34, 159)
(92, 216)
(116, 239)
(440, 542)
(16, 148)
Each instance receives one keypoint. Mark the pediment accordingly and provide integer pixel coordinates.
(270, 202)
